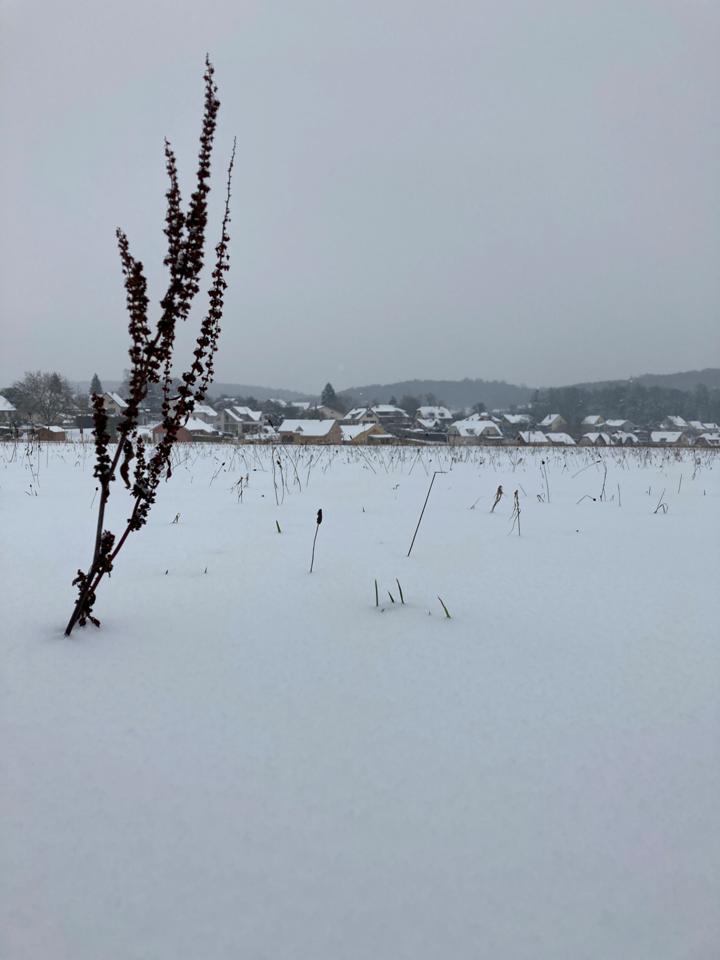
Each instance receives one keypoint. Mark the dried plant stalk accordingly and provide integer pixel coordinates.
(151, 356)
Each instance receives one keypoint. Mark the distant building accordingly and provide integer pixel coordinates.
(8, 413)
(474, 430)
(192, 430)
(593, 420)
(238, 420)
(203, 411)
(310, 431)
(595, 440)
(531, 437)
(364, 433)
(114, 404)
(668, 438)
(553, 422)
(53, 434)
(560, 439)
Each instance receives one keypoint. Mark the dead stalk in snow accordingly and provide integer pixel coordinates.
(318, 521)
(151, 358)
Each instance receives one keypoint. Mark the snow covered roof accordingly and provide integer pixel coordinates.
(5, 405)
(678, 422)
(429, 424)
(665, 436)
(116, 398)
(711, 439)
(433, 413)
(563, 439)
(616, 423)
(198, 426)
(356, 413)
(548, 420)
(205, 410)
(593, 420)
(388, 408)
(352, 430)
(308, 428)
(470, 427)
(620, 436)
(516, 419)
(596, 438)
(243, 414)
(301, 404)
(532, 436)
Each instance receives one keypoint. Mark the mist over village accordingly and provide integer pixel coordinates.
(360, 480)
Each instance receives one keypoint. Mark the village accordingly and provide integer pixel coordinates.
(229, 420)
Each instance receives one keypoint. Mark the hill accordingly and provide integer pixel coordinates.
(453, 393)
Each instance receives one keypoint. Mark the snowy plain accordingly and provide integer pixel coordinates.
(251, 761)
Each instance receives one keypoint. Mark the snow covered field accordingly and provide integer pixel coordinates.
(249, 761)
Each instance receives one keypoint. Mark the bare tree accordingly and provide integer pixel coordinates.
(43, 396)
(151, 357)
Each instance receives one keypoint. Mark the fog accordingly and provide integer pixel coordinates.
(520, 190)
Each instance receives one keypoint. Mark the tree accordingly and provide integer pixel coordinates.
(409, 404)
(479, 407)
(43, 396)
(328, 398)
(95, 384)
(151, 356)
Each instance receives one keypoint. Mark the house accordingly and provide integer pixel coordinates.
(553, 422)
(708, 440)
(433, 414)
(674, 423)
(560, 439)
(191, 430)
(203, 411)
(381, 413)
(359, 415)
(527, 437)
(53, 434)
(516, 419)
(593, 420)
(310, 431)
(237, 420)
(627, 426)
(474, 430)
(113, 404)
(595, 440)
(667, 438)
(7, 410)
(624, 439)
(362, 432)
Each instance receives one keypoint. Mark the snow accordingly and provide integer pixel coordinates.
(308, 428)
(549, 420)
(665, 436)
(199, 426)
(244, 414)
(205, 410)
(117, 399)
(5, 405)
(433, 413)
(259, 762)
(563, 439)
(472, 427)
(533, 436)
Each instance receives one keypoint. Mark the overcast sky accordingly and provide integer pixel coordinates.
(520, 189)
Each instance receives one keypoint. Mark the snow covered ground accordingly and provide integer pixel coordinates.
(251, 761)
